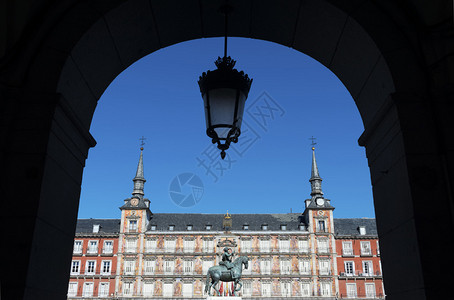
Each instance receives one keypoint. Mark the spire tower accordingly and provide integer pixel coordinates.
(139, 180)
(315, 180)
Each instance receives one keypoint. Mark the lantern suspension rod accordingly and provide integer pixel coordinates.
(226, 9)
(225, 29)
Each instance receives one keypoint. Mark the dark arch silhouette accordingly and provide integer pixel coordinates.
(395, 59)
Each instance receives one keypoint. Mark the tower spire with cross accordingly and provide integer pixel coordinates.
(315, 180)
(139, 179)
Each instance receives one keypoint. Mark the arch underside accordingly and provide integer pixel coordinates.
(82, 46)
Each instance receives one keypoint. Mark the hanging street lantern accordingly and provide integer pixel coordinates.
(224, 92)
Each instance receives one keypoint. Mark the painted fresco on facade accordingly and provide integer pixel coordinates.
(158, 288)
(177, 289)
(276, 288)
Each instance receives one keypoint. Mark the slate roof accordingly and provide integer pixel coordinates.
(342, 227)
(106, 225)
(349, 227)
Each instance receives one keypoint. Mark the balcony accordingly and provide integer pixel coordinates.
(360, 274)
(348, 253)
(361, 296)
(366, 252)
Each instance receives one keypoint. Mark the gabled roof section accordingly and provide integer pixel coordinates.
(106, 225)
(350, 227)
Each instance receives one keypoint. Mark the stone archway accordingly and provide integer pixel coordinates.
(70, 52)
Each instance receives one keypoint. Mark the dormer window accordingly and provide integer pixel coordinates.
(189, 227)
(301, 227)
(171, 227)
(264, 226)
(153, 227)
(362, 230)
(283, 226)
(208, 227)
(246, 227)
(96, 228)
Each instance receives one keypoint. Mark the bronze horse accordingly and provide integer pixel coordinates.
(221, 273)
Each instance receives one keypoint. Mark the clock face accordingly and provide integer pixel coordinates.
(134, 201)
(320, 201)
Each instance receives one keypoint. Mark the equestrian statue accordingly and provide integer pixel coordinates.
(227, 271)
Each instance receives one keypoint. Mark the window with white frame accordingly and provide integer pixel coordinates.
(171, 227)
(169, 266)
(368, 268)
(128, 288)
(208, 245)
(286, 289)
(266, 289)
(378, 248)
(131, 245)
(208, 227)
(103, 289)
(322, 245)
(351, 290)
(304, 267)
(321, 226)
(246, 246)
(187, 289)
(370, 290)
(75, 267)
(91, 265)
(170, 246)
(285, 266)
(264, 245)
(305, 289)
(188, 266)
(72, 289)
(106, 264)
(149, 266)
(132, 226)
(206, 264)
(264, 226)
(92, 247)
(347, 248)
(247, 288)
(283, 226)
(88, 289)
(325, 289)
(265, 266)
(349, 268)
(148, 289)
(108, 247)
(129, 267)
(150, 245)
(77, 247)
(189, 227)
(153, 227)
(284, 246)
(246, 227)
(365, 248)
(188, 245)
(324, 266)
(303, 246)
(167, 289)
(96, 228)
(248, 271)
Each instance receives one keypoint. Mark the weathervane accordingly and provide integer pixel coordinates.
(142, 142)
(313, 142)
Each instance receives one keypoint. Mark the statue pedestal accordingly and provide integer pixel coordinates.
(223, 298)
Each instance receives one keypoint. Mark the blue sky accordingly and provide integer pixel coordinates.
(268, 170)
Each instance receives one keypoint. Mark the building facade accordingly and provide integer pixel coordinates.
(301, 255)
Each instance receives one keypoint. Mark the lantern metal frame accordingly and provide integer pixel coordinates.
(229, 78)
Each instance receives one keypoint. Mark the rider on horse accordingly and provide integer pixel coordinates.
(226, 261)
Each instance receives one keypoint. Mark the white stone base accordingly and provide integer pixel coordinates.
(223, 298)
